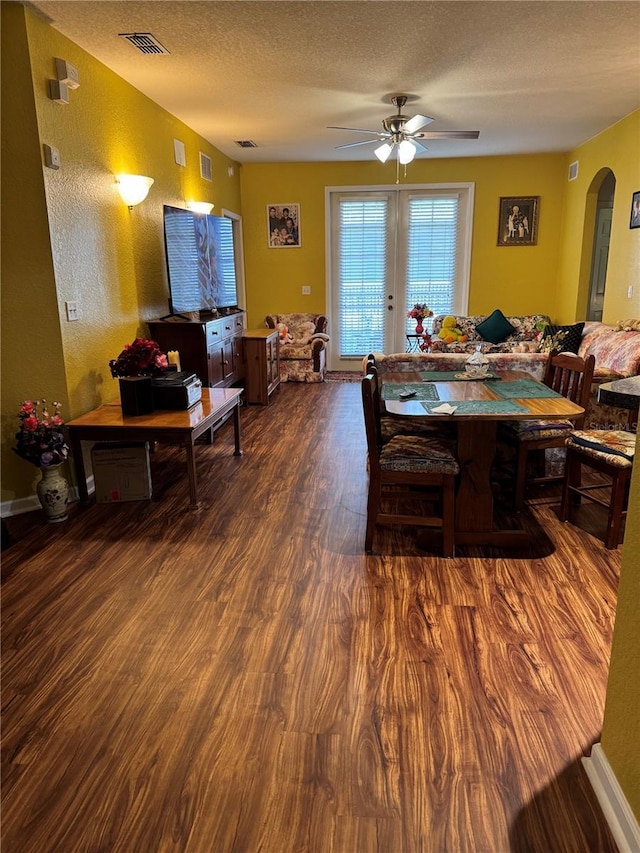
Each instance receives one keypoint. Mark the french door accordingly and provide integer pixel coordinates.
(389, 249)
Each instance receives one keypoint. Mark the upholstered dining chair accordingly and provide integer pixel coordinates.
(609, 452)
(407, 468)
(570, 376)
(389, 426)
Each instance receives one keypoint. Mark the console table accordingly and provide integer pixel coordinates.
(107, 423)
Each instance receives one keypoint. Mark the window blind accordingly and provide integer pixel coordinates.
(362, 263)
(432, 235)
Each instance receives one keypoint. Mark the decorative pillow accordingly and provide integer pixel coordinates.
(496, 328)
(563, 338)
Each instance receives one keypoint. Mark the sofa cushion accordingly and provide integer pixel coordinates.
(563, 338)
(615, 351)
(496, 328)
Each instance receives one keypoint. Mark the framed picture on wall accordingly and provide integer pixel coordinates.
(634, 221)
(283, 222)
(518, 221)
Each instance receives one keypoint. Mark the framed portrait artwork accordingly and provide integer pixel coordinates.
(518, 221)
(634, 220)
(283, 223)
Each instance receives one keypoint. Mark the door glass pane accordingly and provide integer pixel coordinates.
(362, 263)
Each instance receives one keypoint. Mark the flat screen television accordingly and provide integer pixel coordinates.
(200, 258)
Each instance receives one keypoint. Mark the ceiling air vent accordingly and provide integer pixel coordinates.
(144, 42)
(246, 143)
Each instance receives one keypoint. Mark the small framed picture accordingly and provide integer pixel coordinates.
(283, 222)
(518, 221)
(634, 221)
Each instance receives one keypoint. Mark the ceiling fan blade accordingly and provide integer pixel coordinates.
(353, 144)
(419, 144)
(448, 134)
(415, 123)
(357, 130)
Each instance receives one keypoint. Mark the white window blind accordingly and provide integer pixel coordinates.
(362, 263)
(391, 248)
(432, 235)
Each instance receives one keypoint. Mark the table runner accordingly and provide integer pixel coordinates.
(451, 376)
(424, 391)
(479, 407)
(524, 388)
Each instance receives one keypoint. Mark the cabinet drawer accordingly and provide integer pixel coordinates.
(215, 331)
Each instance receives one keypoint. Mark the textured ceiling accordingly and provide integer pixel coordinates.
(530, 76)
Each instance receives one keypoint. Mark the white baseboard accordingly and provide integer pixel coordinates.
(617, 811)
(30, 504)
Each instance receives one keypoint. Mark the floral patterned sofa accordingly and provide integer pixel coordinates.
(303, 346)
(526, 337)
(616, 351)
(617, 355)
(529, 362)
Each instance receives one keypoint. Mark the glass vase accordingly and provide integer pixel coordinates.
(419, 327)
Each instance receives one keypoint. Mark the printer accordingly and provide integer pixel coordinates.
(176, 390)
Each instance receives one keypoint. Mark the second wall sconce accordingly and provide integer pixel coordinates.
(133, 188)
(200, 206)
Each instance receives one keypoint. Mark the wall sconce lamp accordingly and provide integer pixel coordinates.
(133, 188)
(200, 206)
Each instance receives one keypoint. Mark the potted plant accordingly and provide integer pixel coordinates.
(40, 440)
(134, 367)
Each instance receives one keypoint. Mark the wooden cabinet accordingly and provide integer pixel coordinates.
(210, 348)
(262, 364)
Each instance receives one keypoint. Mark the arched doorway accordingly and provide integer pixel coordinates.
(601, 237)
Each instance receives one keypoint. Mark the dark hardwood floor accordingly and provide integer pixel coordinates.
(244, 678)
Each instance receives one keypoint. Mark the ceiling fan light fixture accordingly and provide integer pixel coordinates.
(406, 151)
(382, 153)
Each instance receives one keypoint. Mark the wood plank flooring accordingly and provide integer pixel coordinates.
(243, 678)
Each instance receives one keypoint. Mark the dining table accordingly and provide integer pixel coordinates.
(478, 406)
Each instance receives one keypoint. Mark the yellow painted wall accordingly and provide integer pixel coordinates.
(104, 257)
(518, 279)
(32, 354)
(617, 149)
(621, 729)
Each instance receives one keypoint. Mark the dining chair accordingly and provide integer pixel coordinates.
(407, 468)
(570, 376)
(608, 452)
(391, 426)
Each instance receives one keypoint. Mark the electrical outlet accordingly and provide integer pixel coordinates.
(306, 290)
(630, 291)
(51, 157)
(72, 311)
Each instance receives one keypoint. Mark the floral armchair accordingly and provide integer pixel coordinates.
(303, 344)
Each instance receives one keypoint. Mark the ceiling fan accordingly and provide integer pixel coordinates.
(405, 133)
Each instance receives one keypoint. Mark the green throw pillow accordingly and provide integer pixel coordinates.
(496, 328)
(562, 338)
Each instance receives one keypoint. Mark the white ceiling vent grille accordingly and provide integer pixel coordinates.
(146, 43)
(205, 167)
(246, 143)
(573, 171)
